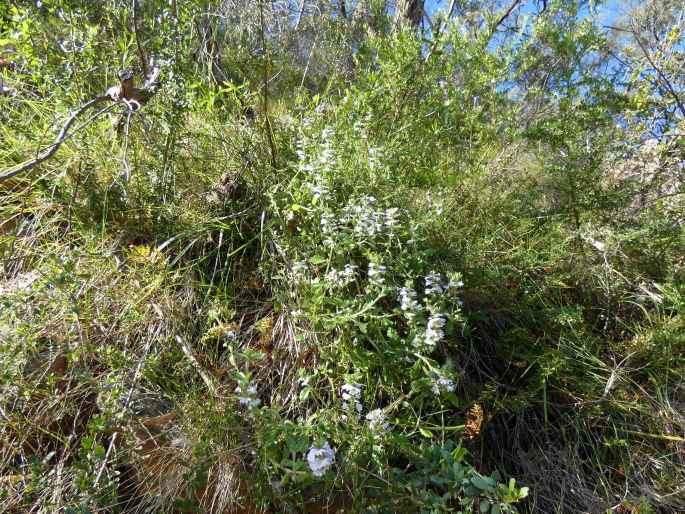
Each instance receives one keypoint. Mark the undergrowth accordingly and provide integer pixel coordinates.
(424, 306)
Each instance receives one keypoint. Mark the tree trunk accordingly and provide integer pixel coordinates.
(409, 11)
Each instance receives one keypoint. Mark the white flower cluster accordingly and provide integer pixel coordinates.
(351, 393)
(441, 384)
(377, 420)
(375, 157)
(367, 219)
(433, 335)
(319, 189)
(408, 303)
(436, 203)
(299, 271)
(320, 458)
(434, 329)
(362, 217)
(340, 278)
(434, 284)
(247, 395)
(455, 284)
(317, 166)
(376, 273)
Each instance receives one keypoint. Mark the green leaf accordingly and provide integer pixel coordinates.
(426, 433)
(317, 259)
(482, 483)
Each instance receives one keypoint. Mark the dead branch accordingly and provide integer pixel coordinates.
(50, 150)
(134, 98)
(209, 381)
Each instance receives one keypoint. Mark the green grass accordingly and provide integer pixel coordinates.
(136, 315)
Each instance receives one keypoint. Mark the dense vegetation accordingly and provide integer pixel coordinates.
(347, 257)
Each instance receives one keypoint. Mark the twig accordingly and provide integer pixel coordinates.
(206, 378)
(265, 93)
(659, 72)
(127, 402)
(441, 27)
(50, 150)
(504, 16)
(125, 93)
(137, 31)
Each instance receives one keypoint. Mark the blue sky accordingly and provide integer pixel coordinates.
(608, 11)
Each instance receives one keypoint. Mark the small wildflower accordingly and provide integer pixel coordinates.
(350, 395)
(376, 273)
(434, 284)
(376, 419)
(320, 458)
(328, 223)
(375, 156)
(318, 190)
(391, 217)
(434, 330)
(248, 396)
(408, 303)
(349, 271)
(351, 391)
(334, 277)
(442, 384)
(455, 284)
(299, 269)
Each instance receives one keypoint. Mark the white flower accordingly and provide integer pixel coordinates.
(327, 133)
(248, 396)
(351, 392)
(318, 190)
(434, 330)
(455, 284)
(350, 395)
(334, 278)
(299, 270)
(320, 458)
(376, 273)
(408, 303)
(434, 284)
(375, 156)
(328, 223)
(376, 419)
(443, 384)
(391, 217)
(349, 271)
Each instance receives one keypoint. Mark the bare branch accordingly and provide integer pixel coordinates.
(134, 98)
(137, 31)
(506, 14)
(50, 150)
(661, 75)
